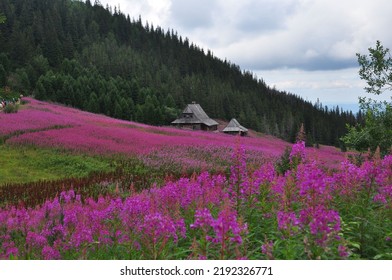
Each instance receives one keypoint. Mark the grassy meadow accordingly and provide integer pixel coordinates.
(24, 164)
(76, 185)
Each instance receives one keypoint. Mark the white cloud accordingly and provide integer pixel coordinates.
(313, 37)
(154, 11)
(268, 34)
(331, 87)
(193, 14)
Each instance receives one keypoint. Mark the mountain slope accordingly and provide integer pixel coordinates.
(50, 125)
(100, 60)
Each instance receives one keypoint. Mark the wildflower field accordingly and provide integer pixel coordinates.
(163, 193)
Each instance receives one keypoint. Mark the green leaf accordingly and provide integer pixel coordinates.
(384, 256)
(2, 18)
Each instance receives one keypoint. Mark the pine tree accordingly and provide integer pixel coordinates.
(301, 136)
(2, 18)
(3, 76)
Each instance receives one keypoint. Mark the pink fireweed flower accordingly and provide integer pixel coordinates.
(239, 184)
(343, 251)
(313, 184)
(384, 195)
(278, 187)
(322, 222)
(380, 198)
(71, 216)
(181, 227)
(264, 175)
(383, 178)
(287, 221)
(9, 247)
(50, 253)
(81, 236)
(12, 251)
(298, 151)
(134, 208)
(53, 209)
(227, 225)
(17, 219)
(67, 196)
(347, 182)
(268, 249)
(36, 240)
(203, 219)
(158, 227)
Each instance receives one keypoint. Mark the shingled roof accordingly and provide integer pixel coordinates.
(234, 126)
(194, 114)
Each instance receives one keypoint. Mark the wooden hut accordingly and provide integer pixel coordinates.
(234, 127)
(193, 117)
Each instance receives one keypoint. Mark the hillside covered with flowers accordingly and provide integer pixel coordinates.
(212, 196)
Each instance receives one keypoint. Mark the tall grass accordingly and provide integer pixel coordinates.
(25, 164)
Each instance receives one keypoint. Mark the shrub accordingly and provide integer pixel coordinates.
(11, 108)
(283, 164)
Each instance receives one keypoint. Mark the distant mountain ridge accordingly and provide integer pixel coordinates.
(100, 60)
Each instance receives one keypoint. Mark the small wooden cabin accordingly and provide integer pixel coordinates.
(193, 117)
(235, 128)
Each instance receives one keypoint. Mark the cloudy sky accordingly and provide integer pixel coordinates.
(306, 47)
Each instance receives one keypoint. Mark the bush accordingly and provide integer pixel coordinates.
(283, 164)
(11, 108)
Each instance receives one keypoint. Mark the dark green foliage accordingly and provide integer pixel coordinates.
(11, 108)
(19, 81)
(9, 95)
(376, 130)
(3, 76)
(38, 67)
(283, 164)
(70, 49)
(376, 69)
(5, 61)
(2, 18)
